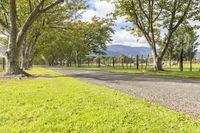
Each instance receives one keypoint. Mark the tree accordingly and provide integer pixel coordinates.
(85, 38)
(123, 59)
(151, 17)
(183, 46)
(17, 25)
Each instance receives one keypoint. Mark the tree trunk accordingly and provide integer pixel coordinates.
(190, 65)
(157, 62)
(12, 64)
(77, 59)
(99, 62)
(190, 58)
(113, 62)
(23, 60)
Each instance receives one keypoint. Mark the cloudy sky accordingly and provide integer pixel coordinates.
(100, 9)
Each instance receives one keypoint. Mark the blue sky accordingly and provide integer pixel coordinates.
(101, 8)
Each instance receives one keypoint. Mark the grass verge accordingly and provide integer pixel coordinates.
(64, 104)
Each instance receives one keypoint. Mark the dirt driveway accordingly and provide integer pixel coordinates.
(179, 94)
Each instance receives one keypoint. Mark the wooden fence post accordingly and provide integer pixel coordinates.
(113, 62)
(4, 63)
(99, 62)
(137, 62)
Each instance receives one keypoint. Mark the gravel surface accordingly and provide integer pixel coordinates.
(179, 94)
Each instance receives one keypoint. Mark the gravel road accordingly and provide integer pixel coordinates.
(179, 94)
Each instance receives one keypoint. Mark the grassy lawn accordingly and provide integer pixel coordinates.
(64, 104)
(174, 72)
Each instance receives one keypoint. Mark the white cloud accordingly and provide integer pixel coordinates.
(120, 20)
(124, 37)
(101, 9)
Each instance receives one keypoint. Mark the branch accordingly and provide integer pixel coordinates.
(30, 6)
(142, 9)
(3, 24)
(183, 16)
(32, 17)
(140, 25)
(51, 6)
(4, 9)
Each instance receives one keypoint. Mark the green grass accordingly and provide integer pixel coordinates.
(64, 104)
(173, 73)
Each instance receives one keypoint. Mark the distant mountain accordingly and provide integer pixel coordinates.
(117, 50)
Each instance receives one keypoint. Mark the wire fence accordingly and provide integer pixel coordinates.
(137, 62)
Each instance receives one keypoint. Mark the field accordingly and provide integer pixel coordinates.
(55, 103)
(173, 72)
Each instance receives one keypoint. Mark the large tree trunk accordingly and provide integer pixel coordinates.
(24, 60)
(77, 59)
(157, 62)
(12, 55)
(16, 37)
(12, 63)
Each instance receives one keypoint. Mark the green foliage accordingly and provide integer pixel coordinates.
(63, 104)
(75, 40)
(187, 41)
(150, 18)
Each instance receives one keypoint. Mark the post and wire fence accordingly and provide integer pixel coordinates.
(123, 62)
(138, 62)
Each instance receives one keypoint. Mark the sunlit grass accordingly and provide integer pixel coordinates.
(64, 104)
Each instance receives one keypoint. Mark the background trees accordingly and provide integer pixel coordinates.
(151, 17)
(17, 17)
(75, 40)
(183, 46)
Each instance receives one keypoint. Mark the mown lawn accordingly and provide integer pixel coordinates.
(63, 104)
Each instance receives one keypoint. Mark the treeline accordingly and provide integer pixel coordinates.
(73, 41)
(51, 31)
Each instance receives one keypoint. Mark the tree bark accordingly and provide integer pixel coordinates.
(157, 62)
(24, 59)
(12, 54)
(113, 62)
(16, 37)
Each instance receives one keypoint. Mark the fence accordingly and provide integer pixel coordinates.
(2, 64)
(136, 62)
